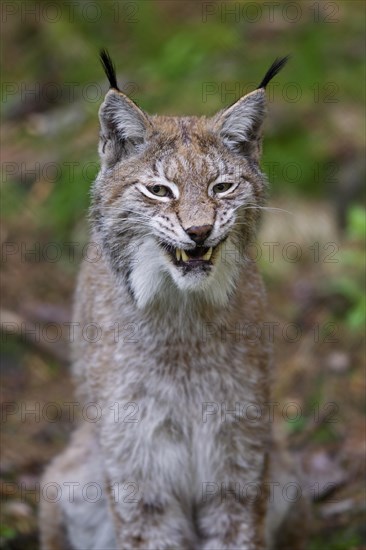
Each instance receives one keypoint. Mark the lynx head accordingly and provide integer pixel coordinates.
(177, 198)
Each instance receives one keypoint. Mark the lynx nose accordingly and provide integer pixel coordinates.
(199, 233)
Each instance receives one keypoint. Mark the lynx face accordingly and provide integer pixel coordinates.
(177, 199)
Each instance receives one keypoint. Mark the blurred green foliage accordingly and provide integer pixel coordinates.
(347, 540)
(6, 533)
(350, 280)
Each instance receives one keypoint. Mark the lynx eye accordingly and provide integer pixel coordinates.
(223, 187)
(160, 190)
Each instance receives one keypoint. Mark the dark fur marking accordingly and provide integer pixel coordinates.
(109, 69)
(184, 132)
(275, 68)
(126, 275)
(152, 508)
(154, 168)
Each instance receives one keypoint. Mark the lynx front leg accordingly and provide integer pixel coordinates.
(231, 510)
(227, 522)
(146, 465)
(151, 526)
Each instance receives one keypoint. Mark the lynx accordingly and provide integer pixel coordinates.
(179, 456)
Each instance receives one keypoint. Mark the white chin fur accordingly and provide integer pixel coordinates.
(154, 276)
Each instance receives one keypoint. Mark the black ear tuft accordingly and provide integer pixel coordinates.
(273, 70)
(109, 68)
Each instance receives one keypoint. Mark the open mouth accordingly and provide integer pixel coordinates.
(200, 256)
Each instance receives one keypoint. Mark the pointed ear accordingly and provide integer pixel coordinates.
(123, 127)
(240, 126)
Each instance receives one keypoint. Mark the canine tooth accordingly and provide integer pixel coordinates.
(208, 254)
(178, 254)
(184, 256)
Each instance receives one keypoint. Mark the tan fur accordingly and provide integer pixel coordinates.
(180, 349)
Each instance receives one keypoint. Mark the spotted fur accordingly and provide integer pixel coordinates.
(177, 346)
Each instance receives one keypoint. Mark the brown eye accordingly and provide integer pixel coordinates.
(221, 187)
(160, 190)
